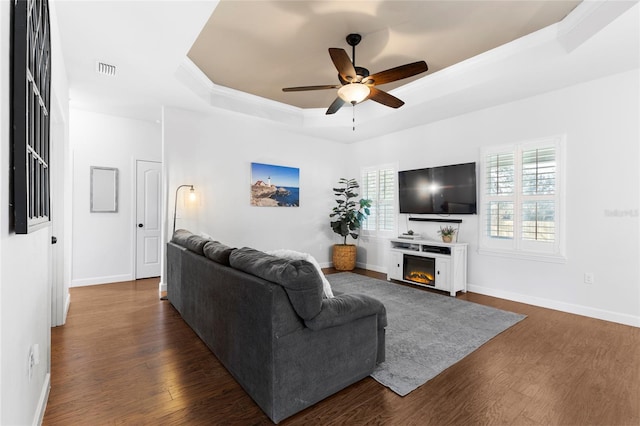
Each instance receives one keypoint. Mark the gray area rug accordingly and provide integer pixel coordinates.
(427, 332)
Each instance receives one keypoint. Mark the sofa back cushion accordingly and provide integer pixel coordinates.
(192, 242)
(296, 255)
(217, 252)
(299, 278)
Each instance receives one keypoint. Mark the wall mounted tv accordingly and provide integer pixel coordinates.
(438, 190)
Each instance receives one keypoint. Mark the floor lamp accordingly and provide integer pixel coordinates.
(192, 195)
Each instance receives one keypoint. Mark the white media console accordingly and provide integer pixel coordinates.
(432, 264)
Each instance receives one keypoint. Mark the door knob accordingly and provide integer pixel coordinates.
(139, 225)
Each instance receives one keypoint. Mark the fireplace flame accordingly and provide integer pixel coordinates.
(419, 277)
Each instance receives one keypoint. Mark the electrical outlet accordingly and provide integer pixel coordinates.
(30, 362)
(589, 278)
(36, 354)
(33, 359)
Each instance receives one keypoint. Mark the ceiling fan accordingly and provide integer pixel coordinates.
(356, 85)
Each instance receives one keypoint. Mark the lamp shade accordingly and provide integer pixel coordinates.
(354, 92)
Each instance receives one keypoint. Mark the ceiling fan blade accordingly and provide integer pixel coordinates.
(303, 88)
(397, 73)
(384, 98)
(335, 106)
(343, 63)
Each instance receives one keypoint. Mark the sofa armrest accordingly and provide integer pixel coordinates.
(346, 308)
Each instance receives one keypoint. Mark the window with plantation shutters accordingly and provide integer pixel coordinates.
(520, 202)
(378, 184)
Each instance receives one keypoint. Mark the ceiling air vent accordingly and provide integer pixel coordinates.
(105, 69)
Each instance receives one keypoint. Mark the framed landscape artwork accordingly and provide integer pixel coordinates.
(274, 186)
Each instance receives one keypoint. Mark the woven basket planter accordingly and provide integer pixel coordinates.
(344, 257)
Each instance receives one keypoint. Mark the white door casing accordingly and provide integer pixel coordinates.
(148, 219)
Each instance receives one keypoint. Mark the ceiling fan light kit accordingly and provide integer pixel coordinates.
(356, 85)
(354, 93)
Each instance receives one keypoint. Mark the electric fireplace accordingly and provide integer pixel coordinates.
(419, 269)
(427, 263)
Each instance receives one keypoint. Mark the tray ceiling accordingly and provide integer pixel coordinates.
(259, 47)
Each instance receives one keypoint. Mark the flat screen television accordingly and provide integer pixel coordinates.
(438, 190)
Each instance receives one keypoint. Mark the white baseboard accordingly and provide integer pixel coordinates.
(359, 265)
(101, 280)
(162, 287)
(66, 308)
(67, 305)
(558, 306)
(42, 401)
(570, 308)
(375, 268)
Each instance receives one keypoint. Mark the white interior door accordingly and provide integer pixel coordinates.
(148, 200)
(60, 196)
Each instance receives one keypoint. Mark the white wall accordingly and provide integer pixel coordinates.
(214, 152)
(103, 243)
(600, 121)
(25, 297)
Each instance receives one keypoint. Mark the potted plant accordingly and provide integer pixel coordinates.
(447, 233)
(347, 216)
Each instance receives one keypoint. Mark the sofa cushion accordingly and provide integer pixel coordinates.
(296, 255)
(217, 252)
(347, 308)
(298, 277)
(186, 239)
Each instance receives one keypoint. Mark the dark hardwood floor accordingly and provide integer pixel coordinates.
(125, 357)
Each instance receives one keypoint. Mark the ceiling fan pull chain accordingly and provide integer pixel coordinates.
(353, 119)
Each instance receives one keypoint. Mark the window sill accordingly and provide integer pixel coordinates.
(537, 257)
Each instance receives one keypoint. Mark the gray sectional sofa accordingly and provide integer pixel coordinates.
(266, 320)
